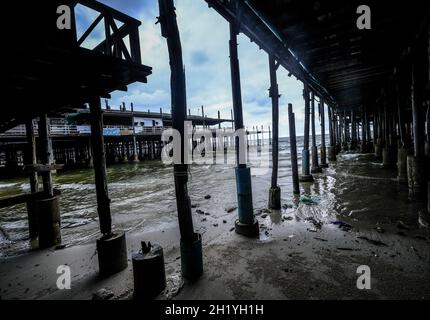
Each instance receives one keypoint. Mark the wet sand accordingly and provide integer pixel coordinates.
(300, 254)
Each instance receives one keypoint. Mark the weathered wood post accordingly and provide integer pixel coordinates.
(353, 130)
(323, 163)
(31, 160)
(191, 242)
(270, 136)
(262, 135)
(47, 208)
(111, 247)
(134, 157)
(306, 175)
(246, 224)
(402, 151)
(331, 150)
(346, 132)
(315, 167)
(338, 132)
(416, 162)
(293, 150)
(45, 154)
(31, 155)
(275, 190)
(387, 151)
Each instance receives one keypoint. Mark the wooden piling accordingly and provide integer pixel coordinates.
(323, 147)
(246, 224)
(293, 150)
(275, 191)
(45, 148)
(306, 176)
(314, 150)
(31, 154)
(99, 161)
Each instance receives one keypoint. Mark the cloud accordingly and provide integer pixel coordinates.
(205, 43)
(199, 57)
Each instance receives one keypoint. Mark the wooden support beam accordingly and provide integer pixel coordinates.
(293, 150)
(31, 154)
(45, 147)
(19, 199)
(170, 31)
(99, 161)
(34, 168)
(275, 199)
(323, 147)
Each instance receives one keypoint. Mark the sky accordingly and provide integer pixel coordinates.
(205, 38)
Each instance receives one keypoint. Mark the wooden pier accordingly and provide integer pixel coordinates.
(374, 85)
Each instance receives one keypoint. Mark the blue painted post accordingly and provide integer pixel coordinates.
(246, 224)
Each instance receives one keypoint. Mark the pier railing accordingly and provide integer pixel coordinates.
(61, 130)
(113, 43)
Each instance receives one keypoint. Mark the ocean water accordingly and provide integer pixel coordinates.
(143, 197)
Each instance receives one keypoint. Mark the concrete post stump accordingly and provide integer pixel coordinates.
(112, 254)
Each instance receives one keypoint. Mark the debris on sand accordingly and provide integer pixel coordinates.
(375, 242)
(174, 285)
(317, 224)
(230, 209)
(287, 206)
(103, 294)
(208, 196)
(402, 225)
(198, 211)
(342, 225)
(380, 229)
(264, 216)
(347, 249)
(423, 220)
(193, 206)
(231, 229)
(287, 218)
(320, 239)
(308, 200)
(312, 229)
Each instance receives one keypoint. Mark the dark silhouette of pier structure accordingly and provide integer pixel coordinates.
(374, 84)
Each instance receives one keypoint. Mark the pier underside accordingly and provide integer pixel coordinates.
(227, 229)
